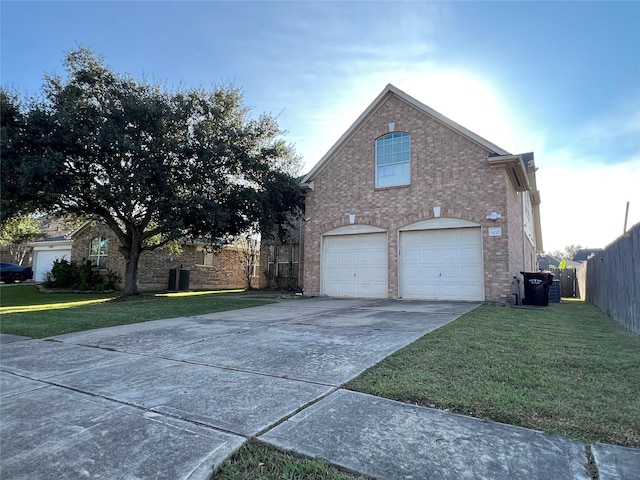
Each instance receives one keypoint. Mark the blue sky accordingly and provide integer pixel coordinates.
(561, 79)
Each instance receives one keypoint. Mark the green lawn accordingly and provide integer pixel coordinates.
(26, 311)
(255, 461)
(568, 369)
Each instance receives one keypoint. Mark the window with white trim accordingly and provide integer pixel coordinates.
(393, 165)
(99, 251)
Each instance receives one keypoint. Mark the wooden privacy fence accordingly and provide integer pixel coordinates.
(611, 280)
(568, 277)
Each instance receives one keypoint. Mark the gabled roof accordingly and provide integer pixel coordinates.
(58, 239)
(62, 239)
(545, 261)
(388, 91)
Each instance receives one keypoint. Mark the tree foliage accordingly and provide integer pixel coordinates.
(155, 165)
(16, 232)
(568, 253)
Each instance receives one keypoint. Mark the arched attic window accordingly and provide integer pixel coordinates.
(393, 160)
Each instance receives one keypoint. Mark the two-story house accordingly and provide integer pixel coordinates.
(410, 204)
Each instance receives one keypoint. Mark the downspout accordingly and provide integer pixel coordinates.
(300, 250)
(524, 255)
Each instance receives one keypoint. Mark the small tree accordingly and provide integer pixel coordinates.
(248, 254)
(16, 233)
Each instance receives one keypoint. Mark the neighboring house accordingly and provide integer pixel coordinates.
(547, 262)
(409, 204)
(99, 244)
(585, 254)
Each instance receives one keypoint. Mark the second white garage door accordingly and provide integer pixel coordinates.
(355, 265)
(444, 264)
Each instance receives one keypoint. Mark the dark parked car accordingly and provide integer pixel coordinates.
(12, 273)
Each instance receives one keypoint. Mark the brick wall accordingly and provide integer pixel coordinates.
(447, 170)
(154, 266)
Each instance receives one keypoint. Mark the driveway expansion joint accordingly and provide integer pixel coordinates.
(297, 411)
(591, 466)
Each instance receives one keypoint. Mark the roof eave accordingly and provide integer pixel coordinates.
(538, 229)
(514, 165)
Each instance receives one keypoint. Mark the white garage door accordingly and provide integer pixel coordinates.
(355, 265)
(441, 264)
(43, 261)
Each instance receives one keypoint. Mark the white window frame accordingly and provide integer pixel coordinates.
(99, 258)
(395, 150)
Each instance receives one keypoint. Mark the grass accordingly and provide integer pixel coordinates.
(568, 369)
(256, 461)
(26, 311)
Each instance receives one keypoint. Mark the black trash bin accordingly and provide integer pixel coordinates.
(536, 288)
(173, 278)
(183, 281)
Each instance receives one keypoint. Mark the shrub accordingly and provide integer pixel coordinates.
(83, 276)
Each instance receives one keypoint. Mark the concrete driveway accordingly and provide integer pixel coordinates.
(173, 398)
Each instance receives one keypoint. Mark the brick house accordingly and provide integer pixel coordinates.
(409, 204)
(219, 270)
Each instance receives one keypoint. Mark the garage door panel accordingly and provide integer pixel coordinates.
(450, 272)
(441, 264)
(448, 254)
(468, 272)
(355, 265)
(43, 262)
(469, 255)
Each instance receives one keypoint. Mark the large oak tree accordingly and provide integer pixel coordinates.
(156, 165)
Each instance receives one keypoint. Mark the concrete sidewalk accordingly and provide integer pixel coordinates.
(174, 398)
(391, 440)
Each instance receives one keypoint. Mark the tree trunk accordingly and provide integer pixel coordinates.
(131, 270)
